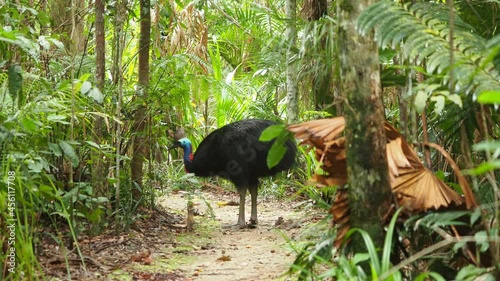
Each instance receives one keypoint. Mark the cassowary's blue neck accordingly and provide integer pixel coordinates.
(188, 156)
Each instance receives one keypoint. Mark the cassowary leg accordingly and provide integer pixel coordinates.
(241, 215)
(253, 194)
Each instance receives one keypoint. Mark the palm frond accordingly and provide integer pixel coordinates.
(424, 33)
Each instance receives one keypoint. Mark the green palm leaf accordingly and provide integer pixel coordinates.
(424, 33)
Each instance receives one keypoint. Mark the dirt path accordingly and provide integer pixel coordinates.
(223, 253)
(159, 247)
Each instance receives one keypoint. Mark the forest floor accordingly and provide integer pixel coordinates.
(161, 247)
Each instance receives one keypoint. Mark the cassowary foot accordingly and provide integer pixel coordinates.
(251, 225)
(235, 226)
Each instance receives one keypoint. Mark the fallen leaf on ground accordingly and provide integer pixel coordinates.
(224, 258)
(227, 203)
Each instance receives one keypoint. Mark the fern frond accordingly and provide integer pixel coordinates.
(424, 33)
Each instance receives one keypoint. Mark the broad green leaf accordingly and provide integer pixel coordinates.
(489, 97)
(85, 77)
(470, 273)
(439, 106)
(487, 145)
(475, 216)
(482, 239)
(93, 144)
(360, 257)
(69, 152)
(102, 200)
(56, 42)
(56, 118)
(56, 149)
(271, 132)
(29, 125)
(420, 101)
(96, 94)
(275, 154)
(35, 166)
(455, 99)
(483, 168)
(440, 175)
(86, 86)
(95, 215)
(43, 42)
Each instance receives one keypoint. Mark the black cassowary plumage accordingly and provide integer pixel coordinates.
(234, 152)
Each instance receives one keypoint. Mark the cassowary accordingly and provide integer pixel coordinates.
(234, 152)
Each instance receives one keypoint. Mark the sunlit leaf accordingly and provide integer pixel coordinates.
(271, 132)
(96, 94)
(483, 168)
(44, 43)
(487, 146)
(455, 99)
(86, 86)
(489, 97)
(420, 101)
(56, 118)
(230, 76)
(439, 100)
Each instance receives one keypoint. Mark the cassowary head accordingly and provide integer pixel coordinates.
(185, 144)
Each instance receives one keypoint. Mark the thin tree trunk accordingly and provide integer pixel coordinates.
(140, 141)
(99, 164)
(369, 187)
(119, 45)
(291, 71)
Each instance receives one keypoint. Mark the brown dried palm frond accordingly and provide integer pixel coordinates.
(340, 211)
(420, 190)
(416, 188)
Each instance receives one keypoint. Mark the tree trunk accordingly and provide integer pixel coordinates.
(369, 186)
(291, 71)
(99, 164)
(68, 21)
(117, 72)
(140, 142)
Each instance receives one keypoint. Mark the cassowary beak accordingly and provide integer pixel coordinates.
(175, 145)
